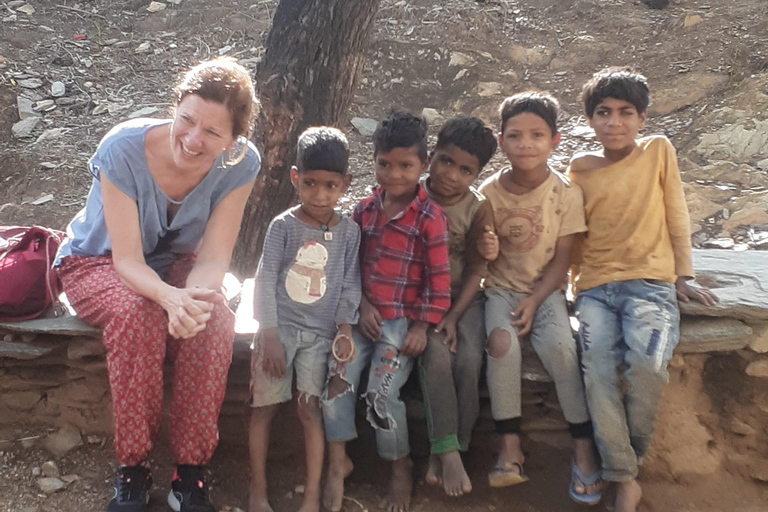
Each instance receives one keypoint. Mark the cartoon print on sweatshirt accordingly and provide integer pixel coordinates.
(305, 282)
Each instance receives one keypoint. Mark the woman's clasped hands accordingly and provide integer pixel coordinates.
(189, 310)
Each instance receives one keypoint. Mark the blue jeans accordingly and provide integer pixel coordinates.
(635, 323)
(385, 411)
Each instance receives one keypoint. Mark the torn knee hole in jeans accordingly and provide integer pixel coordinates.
(377, 413)
(337, 386)
(498, 344)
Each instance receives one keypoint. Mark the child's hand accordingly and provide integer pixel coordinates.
(273, 360)
(686, 293)
(488, 245)
(370, 320)
(448, 326)
(345, 346)
(415, 340)
(524, 313)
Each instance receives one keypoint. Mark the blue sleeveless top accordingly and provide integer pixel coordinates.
(121, 157)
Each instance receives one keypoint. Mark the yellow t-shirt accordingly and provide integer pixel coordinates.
(637, 217)
(528, 226)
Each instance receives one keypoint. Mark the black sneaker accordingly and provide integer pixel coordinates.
(132, 485)
(189, 490)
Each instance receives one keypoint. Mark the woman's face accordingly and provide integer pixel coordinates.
(200, 132)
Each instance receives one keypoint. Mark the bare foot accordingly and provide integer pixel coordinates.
(333, 496)
(400, 486)
(455, 479)
(584, 455)
(258, 504)
(311, 502)
(434, 471)
(628, 495)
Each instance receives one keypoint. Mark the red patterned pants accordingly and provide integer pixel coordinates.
(136, 338)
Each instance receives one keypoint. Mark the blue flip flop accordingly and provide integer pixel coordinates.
(578, 476)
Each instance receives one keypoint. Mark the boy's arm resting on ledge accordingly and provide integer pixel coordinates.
(552, 279)
(687, 293)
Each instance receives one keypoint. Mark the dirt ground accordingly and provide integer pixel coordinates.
(455, 56)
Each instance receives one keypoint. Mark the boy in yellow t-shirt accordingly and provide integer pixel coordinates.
(632, 268)
(537, 213)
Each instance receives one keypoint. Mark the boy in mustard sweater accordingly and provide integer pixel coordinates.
(631, 268)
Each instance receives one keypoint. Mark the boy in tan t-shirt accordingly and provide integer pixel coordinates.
(537, 214)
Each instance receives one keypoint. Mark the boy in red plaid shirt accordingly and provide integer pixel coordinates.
(406, 288)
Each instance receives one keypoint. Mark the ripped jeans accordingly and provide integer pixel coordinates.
(636, 323)
(385, 411)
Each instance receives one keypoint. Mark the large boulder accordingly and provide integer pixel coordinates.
(737, 278)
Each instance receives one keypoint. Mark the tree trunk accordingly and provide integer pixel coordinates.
(315, 51)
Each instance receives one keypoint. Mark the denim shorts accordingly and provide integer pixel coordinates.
(306, 353)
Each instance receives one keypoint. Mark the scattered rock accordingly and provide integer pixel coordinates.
(47, 198)
(44, 105)
(687, 90)
(485, 89)
(58, 89)
(691, 20)
(432, 115)
(50, 469)
(67, 438)
(100, 109)
(759, 340)
(677, 361)
(146, 111)
(712, 335)
(155, 6)
(461, 59)
(538, 56)
(50, 134)
(656, 4)
(24, 128)
(758, 369)
(68, 479)
(583, 132)
(26, 9)
(740, 428)
(36, 471)
(50, 485)
(26, 108)
(365, 126)
(719, 243)
(749, 210)
(31, 83)
(763, 164)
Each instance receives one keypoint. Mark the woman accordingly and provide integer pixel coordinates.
(145, 259)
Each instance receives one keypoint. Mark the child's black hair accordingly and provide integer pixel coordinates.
(322, 148)
(401, 130)
(540, 103)
(619, 83)
(468, 134)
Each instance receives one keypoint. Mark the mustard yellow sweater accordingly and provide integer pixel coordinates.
(637, 220)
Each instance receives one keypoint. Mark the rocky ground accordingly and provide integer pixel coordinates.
(71, 70)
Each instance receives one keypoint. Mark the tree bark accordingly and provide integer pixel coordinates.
(315, 51)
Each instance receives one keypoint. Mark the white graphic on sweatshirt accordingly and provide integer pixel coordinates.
(305, 282)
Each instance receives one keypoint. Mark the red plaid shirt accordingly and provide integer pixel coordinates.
(404, 261)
